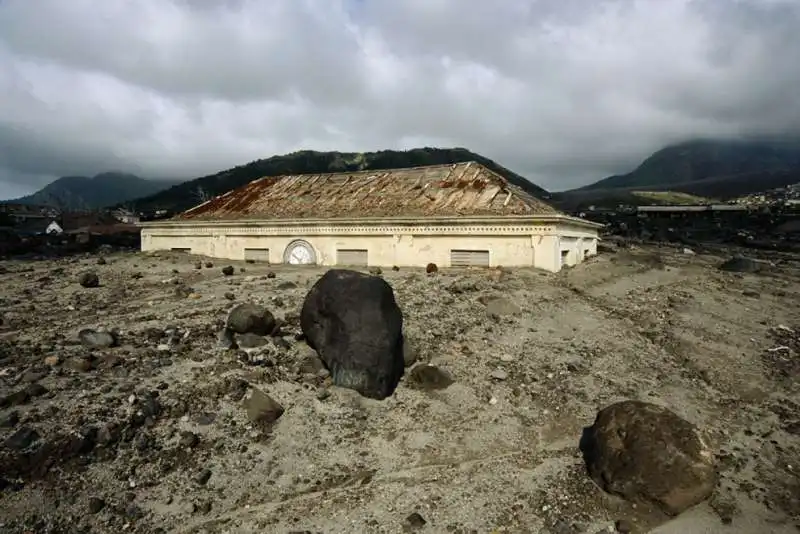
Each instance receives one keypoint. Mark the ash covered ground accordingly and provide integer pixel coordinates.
(156, 433)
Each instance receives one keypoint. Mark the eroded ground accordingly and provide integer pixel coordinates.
(152, 436)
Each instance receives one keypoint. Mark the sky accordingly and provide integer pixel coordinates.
(564, 92)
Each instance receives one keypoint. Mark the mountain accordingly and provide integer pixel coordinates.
(694, 161)
(713, 170)
(103, 190)
(188, 194)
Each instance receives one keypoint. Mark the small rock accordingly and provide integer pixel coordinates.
(228, 271)
(101, 261)
(740, 264)
(623, 526)
(89, 279)
(96, 504)
(429, 377)
(270, 274)
(203, 477)
(93, 339)
(431, 268)
(82, 364)
(261, 408)
(499, 374)
(230, 296)
(52, 360)
(209, 265)
(249, 318)
(22, 439)
(376, 271)
(9, 420)
(323, 394)
(414, 522)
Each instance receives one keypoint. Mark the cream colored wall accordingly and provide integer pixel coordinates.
(405, 250)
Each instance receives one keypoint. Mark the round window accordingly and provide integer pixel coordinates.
(299, 252)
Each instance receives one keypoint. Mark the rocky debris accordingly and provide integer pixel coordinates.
(625, 451)
(89, 279)
(261, 408)
(354, 323)
(93, 339)
(431, 268)
(414, 522)
(249, 318)
(101, 261)
(21, 439)
(429, 377)
(740, 264)
(96, 505)
(228, 271)
(375, 271)
(499, 306)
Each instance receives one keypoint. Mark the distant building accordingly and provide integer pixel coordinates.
(452, 215)
(126, 216)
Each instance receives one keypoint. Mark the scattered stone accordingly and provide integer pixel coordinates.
(499, 374)
(261, 408)
(93, 339)
(270, 274)
(198, 265)
(89, 279)
(96, 505)
(230, 296)
(21, 439)
(286, 285)
(228, 271)
(740, 264)
(101, 261)
(9, 420)
(248, 318)
(431, 268)
(52, 360)
(414, 522)
(323, 394)
(646, 453)
(751, 294)
(354, 323)
(429, 377)
(188, 439)
(203, 477)
(376, 271)
(623, 526)
(209, 265)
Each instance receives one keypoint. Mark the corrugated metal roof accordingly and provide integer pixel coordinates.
(432, 191)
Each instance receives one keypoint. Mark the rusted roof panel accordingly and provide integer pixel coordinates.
(433, 191)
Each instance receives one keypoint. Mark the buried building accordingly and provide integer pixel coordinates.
(455, 215)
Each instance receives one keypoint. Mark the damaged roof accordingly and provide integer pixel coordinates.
(432, 191)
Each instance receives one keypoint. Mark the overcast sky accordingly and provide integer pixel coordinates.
(564, 92)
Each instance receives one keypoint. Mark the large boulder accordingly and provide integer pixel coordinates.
(353, 322)
(648, 454)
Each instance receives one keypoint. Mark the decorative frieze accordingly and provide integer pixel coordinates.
(310, 230)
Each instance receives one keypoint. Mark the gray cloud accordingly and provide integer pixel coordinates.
(562, 91)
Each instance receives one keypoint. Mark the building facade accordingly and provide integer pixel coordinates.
(451, 215)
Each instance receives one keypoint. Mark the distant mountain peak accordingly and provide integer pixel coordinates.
(102, 190)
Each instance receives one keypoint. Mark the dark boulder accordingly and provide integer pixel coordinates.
(354, 323)
(248, 318)
(645, 453)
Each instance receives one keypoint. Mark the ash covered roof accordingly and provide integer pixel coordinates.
(468, 189)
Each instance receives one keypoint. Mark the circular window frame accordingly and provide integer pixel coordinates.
(299, 243)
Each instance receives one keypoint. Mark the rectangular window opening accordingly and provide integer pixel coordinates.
(352, 257)
(469, 258)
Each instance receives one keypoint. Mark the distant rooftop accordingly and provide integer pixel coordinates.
(458, 189)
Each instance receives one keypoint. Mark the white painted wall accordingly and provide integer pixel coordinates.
(408, 249)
